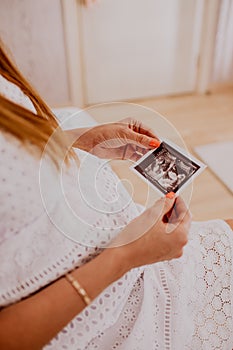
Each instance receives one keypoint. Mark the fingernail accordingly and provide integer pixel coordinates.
(170, 195)
(154, 143)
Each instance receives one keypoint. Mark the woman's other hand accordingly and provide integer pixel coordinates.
(159, 234)
(126, 139)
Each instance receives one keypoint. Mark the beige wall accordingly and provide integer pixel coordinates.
(33, 31)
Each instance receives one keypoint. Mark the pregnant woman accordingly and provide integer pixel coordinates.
(161, 284)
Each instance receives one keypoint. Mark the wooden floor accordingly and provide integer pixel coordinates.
(199, 119)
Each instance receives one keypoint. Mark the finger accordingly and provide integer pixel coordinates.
(113, 153)
(144, 129)
(139, 151)
(139, 127)
(142, 140)
(165, 204)
(133, 153)
(128, 151)
(182, 212)
(136, 151)
(180, 206)
(171, 215)
(134, 157)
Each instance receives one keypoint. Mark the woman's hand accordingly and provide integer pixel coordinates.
(156, 240)
(159, 234)
(126, 139)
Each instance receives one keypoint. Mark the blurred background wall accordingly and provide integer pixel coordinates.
(119, 49)
(223, 54)
(33, 31)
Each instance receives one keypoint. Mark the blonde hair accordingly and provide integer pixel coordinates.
(28, 127)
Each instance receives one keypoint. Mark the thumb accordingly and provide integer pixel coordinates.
(167, 204)
(142, 140)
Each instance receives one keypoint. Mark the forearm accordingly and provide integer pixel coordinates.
(37, 319)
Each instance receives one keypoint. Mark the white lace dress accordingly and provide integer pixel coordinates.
(181, 304)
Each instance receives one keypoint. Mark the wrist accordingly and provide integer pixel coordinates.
(102, 271)
(76, 138)
(119, 261)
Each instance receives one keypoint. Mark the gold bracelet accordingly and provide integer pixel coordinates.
(79, 289)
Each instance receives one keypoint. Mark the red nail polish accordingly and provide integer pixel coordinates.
(154, 143)
(170, 195)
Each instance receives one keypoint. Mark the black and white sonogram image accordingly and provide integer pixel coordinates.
(167, 168)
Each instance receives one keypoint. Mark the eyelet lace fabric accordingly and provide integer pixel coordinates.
(181, 304)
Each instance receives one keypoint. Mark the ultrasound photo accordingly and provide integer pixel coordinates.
(167, 169)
